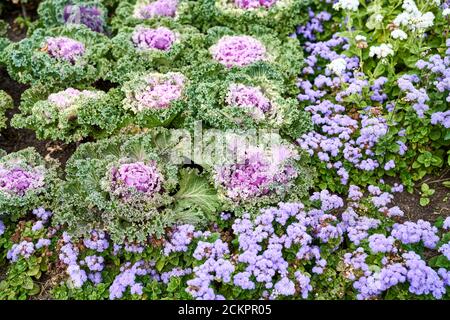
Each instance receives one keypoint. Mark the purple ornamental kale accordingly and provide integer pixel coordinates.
(256, 174)
(65, 49)
(89, 16)
(137, 176)
(158, 93)
(160, 38)
(17, 181)
(66, 98)
(249, 97)
(158, 8)
(238, 51)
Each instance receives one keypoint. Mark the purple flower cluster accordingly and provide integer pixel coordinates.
(94, 263)
(357, 227)
(442, 118)
(249, 97)
(97, 241)
(69, 255)
(64, 48)
(175, 272)
(417, 97)
(257, 173)
(415, 232)
(128, 279)
(133, 247)
(179, 239)
(446, 225)
(23, 249)
(262, 248)
(91, 17)
(158, 8)
(42, 214)
(314, 25)
(422, 278)
(445, 250)
(381, 243)
(17, 181)
(238, 51)
(343, 139)
(160, 38)
(355, 264)
(214, 268)
(136, 177)
(254, 4)
(2, 228)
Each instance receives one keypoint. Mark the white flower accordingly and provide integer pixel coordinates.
(360, 38)
(381, 51)
(399, 34)
(413, 18)
(378, 18)
(337, 66)
(346, 5)
(446, 12)
(425, 21)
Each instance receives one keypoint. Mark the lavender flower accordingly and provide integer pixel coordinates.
(23, 249)
(97, 241)
(2, 228)
(42, 214)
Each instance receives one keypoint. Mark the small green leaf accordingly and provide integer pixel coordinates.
(160, 265)
(424, 201)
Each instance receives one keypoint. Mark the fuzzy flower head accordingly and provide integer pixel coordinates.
(136, 177)
(17, 180)
(337, 66)
(238, 51)
(154, 91)
(347, 5)
(254, 4)
(161, 38)
(257, 172)
(89, 16)
(382, 51)
(399, 34)
(249, 97)
(158, 8)
(66, 98)
(64, 48)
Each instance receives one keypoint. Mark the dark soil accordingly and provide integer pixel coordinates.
(439, 205)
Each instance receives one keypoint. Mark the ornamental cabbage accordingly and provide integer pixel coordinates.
(26, 182)
(67, 55)
(127, 187)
